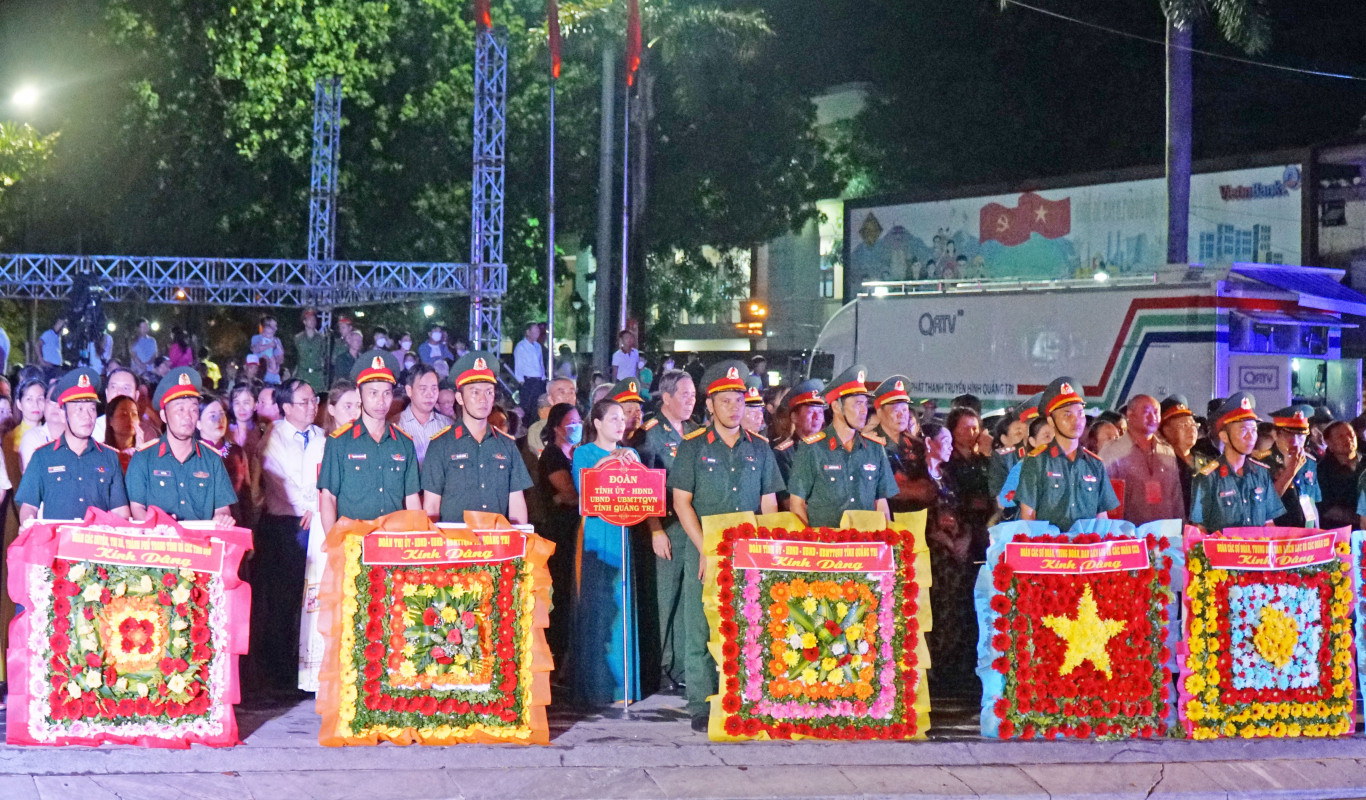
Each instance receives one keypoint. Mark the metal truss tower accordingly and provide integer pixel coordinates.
(488, 272)
(320, 280)
(322, 195)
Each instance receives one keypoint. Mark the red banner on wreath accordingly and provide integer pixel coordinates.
(389, 549)
(1041, 558)
(133, 550)
(1270, 554)
(622, 492)
(790, 556)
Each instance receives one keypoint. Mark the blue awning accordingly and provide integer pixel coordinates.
(1316, 287)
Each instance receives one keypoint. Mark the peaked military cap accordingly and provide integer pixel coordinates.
(1061, 392)
(892, 390)
(1029, 410)
(727, 376)
(1239, 407)
(1175, 406)
(475, 366)
(1293, 418)
(375, 365)
(754, 391)
(628, 390)
(78, 384)
(850, 383)
(806, 393)
(179, 382)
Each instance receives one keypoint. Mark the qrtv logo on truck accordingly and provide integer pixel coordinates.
(939, 324)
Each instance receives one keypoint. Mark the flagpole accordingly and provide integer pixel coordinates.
(625, 196)
(550, 250)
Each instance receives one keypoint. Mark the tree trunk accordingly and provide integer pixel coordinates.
(1179, 136)
(642, 118)
(604, 296)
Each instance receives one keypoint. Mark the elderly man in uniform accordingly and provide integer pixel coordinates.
(1234, 490)
(657, 443)
(369, 466)
(840, 468)
(906, 455)
(630, 395)
(806, 409)
(75, 472)
(753, 418)
(720, 469)
(1063, 482)
(474, 466)
(1147, 465)
(175, 472)
(1293, 470)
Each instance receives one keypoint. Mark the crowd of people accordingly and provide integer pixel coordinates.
(275, 448)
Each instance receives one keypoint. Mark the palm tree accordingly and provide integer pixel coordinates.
(1244, 24)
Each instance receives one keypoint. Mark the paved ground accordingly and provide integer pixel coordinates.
(656, 755)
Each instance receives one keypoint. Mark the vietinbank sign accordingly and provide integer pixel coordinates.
(1289, 182)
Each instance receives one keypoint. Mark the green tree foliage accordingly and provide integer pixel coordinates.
(22, 150)
(205, 149)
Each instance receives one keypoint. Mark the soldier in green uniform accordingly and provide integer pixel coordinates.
(657, 443)
(369, 467)
(905, 454)
(473, 466)
(841, 468)
(753, 418)
(176, 472)
(1234, 490)
(74, 473)
(720, 469)
(1178, 428)
(806, 408)
(1063, 482)
(1294, 471)
(630, 395)
(310, 348)
(1009, 481)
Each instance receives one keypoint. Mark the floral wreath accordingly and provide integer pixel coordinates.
(1268, 652)
(820, 654)
(1071, 653)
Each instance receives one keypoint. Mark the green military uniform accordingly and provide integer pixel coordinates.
(473, 475)
(1301, 497)
(188, 490)
(657, 444)
(63, 484)
(834, 477)
(722, 480)
(905, 454)
(1062, 490)
(370, 478)
(311, 354)
(1223, 498)
(808, 392)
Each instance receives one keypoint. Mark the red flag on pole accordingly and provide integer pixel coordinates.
(482, 17)
(632, 40)
(552, 17)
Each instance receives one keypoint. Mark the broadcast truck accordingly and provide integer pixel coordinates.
(1203, 332)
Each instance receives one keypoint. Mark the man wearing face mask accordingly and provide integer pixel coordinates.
(369, 466)
(560, 390)
(657, 443)
(719, 469)
(1063, 482)
(404, 348)
(75, 472)
(1293, 470)
(841, 468)
(472, 465)
(1234, 490)
(381, 338)
(435, 347)
(176, 472)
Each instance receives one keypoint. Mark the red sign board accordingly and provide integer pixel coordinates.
(128, 547)
(789, 556)
(1269, 554)
(436, 547)
(1064, 558)
(622, 492)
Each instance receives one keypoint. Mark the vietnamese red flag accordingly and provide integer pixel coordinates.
(482, 17)
(1048, 218)
(1002, 224)
(552, 20)
(632, 40)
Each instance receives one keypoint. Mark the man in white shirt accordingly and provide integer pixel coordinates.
(54, 425)
(1146, 465)
(626, 361)
(420, 420)
(50, 345)
(561, 390)
(293, 454)
(528, 367)
(143, 351)
(120, 383)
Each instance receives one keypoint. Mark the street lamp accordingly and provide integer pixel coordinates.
(25, 98)
(429, 309)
